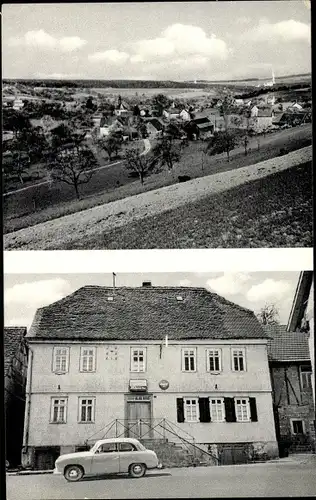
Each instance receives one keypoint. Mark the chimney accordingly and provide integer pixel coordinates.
(146, 284)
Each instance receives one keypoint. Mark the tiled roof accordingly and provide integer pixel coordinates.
(144, 313)
(155, 123)
(264, 112)
(286, 346)
(200, 121)
(12, 338)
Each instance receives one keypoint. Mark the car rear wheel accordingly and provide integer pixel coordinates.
(73, 473)
(137, 470)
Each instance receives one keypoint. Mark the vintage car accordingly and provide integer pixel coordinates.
(108, 456)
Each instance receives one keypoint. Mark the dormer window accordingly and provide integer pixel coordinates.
(179, 298)
(110, 298)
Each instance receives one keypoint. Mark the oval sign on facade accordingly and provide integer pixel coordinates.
(164, 384)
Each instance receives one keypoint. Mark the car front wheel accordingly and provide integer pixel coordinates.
(73, 473)
(137, 470)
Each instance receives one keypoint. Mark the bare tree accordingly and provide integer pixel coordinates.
(268, 315)
(73, 164)
(167, 151)
(111, 143)
(139, 163)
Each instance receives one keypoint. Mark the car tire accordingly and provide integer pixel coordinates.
(137, 470)
(73, 473)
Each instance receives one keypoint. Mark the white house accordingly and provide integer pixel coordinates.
(185, 115)
(136, 356)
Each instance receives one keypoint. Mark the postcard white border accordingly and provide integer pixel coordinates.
(134, 261)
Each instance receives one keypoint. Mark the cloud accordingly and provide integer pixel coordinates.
(229, 283)
(36, 294)
(269, 290)
(180, 41)
(41, 40)
(283, 31)
(70, 43)
(112, 56)
(58, 75)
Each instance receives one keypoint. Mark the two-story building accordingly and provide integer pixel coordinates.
(134, 356)
(291, 376)
(15, 371)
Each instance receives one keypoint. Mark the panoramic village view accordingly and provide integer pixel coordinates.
(211, 150)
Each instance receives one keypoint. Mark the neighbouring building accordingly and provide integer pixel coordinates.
(15, 372)
(302, 314)
(154, 127)
(291, 376)
(133, 357)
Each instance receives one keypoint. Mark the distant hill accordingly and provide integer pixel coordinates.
(124, 84)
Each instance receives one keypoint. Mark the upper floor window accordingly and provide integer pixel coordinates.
(217, 410)
(60, 359)
(58, 410)
(138, 360)
(87, 359)
(86, 409)
(242, 408)
(214, 360)
(191, 409)
(189, 360)
(306, 377)
(239, 360)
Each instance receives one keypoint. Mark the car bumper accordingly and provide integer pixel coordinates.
(56, 471)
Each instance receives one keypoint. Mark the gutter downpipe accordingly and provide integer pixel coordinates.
(28, 403)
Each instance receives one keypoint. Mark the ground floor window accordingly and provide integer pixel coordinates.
(297, 427)
(59, 410)
(242, 409)
(217, 410)
(86, 409)
(191, 409)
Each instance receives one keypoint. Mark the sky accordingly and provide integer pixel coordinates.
(24, 294)
(154, 40)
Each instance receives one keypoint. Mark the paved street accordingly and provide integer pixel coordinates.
(257, 480)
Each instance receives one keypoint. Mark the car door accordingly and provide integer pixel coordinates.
(106, 459)
(128, 455)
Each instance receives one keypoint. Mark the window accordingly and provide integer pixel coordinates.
(239, 360)
(189, 360)
(217, 410)
(306, 377)
(191, 410)
(297, 426)
(242, 409)
(107, 448)
(86, 409)
(138, 360)
(58, 410)
(214, 361)
(61, 359)
(127, 447)
(87, 359)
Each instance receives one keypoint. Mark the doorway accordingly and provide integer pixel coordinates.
(139, 419)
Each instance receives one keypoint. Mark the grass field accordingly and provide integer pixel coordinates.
(114, 183)
(272, 212)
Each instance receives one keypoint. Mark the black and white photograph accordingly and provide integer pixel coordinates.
(158, 283)
(157, 125)
(190, 381)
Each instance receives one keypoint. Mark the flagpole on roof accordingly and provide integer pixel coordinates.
(114, 279)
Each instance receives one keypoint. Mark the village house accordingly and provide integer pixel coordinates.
(15, 372)
(302, 314)
(154, 127)
(291, 376)
(122, 109)
(118, 358)
(185, 115)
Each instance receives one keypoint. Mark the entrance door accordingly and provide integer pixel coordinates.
(139, 420)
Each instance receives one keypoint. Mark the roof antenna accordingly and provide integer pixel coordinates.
(114, 279)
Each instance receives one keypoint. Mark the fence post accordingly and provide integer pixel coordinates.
(116, 427)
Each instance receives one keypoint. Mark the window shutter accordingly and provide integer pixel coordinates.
(180, 410)
(230, 409)
(204, 406)
(253, 410)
